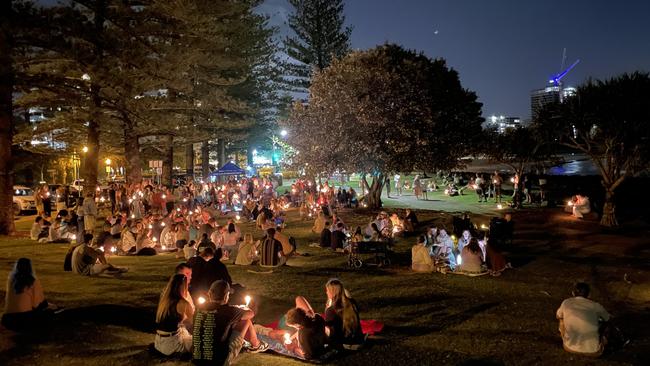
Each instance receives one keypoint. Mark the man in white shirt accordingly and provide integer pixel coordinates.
(398, 184)
(581, 322)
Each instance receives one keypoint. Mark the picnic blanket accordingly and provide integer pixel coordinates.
(368, 326)
(279, 348)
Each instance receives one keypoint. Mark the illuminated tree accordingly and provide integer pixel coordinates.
(382, 111)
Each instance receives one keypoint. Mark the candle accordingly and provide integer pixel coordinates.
(164, 196)
(499, 206)
(150, 226)
(569, 203)
(237, 217)
(201, 300)
(74, 237)
(113, 249)
(184, 199)
(247, 300)
(164, 247)
(512, 180)
(133, 216)
(287, 338)
(154, 239)
(483, 226)
(162, 224)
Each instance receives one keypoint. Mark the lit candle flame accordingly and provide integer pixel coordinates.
(247, 300)
(570, 203)
(201, 300)
(133, 216)
(499, 206)
(164, 247)
(113, 249)
(164, 196)
(237, 217)
(287, 338)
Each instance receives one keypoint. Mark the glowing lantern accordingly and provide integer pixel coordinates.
(287, 338)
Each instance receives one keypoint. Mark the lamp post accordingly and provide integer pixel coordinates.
(108, 169)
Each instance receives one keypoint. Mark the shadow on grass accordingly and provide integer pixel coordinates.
(139, 319)
(441, 321)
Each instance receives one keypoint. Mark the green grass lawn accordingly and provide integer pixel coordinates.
(429, 318)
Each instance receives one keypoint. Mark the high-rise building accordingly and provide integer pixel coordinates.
(503, 123)
(551, 94)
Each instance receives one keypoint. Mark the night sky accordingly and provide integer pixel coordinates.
(505, 48)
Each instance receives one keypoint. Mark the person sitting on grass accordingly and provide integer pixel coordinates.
(25, 306)
(207, 268)
(89, 261)
(221, 329)
(471, 258)
(320, 223)
(338, 238)
(585, 325)
(342, 321)
(189, 250)
(54, 233)
(463, 241)
(410, 221)
(376, 235)
(174, 317)
(272, 255)
(420, 257)
(247, 252)
(325, 235)
(287, 249)
(39, 230)
(310, 338)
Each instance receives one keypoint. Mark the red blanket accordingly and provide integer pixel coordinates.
(370, 327)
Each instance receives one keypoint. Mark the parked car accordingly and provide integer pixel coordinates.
(23, 200)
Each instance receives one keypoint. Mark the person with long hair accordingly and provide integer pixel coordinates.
(174, 317)
(25, 305)
(342, 322)
(471, 257)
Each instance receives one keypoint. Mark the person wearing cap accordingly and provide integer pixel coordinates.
(221, 329)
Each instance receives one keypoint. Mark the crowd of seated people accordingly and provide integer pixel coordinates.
(436, 250)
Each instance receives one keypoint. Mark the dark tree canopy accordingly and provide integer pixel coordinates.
(610, 122)
(382, 111)
(320, 35)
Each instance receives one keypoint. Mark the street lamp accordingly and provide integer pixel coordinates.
(84, 149)
(108, 168)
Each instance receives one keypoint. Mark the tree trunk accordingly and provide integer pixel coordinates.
(168, 160)
(7, 226)
(221, 151)
(205, 160)
(189, 161)
(609, 209)
(92, 156)
(132, 153)
(249, 155)
(373, 197)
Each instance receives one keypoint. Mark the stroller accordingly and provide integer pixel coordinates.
(375, 251)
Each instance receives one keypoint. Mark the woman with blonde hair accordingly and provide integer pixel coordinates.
(247, 252)
(342, 322)
(174, 317)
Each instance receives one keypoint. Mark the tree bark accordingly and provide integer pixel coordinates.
(168, 160)
(609, 209)
(249, 155)
(7, 226)
(132, 153)
(205, 160)
(373, 197)
(92, 156)
(189, 161)
(221, 151)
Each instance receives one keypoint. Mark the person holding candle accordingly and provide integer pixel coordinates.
(310, 339)
(342, 322)
(220, 329)
(173, 317)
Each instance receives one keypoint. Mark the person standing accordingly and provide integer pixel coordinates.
(89, 212)
(398, 184)
(496, 182)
